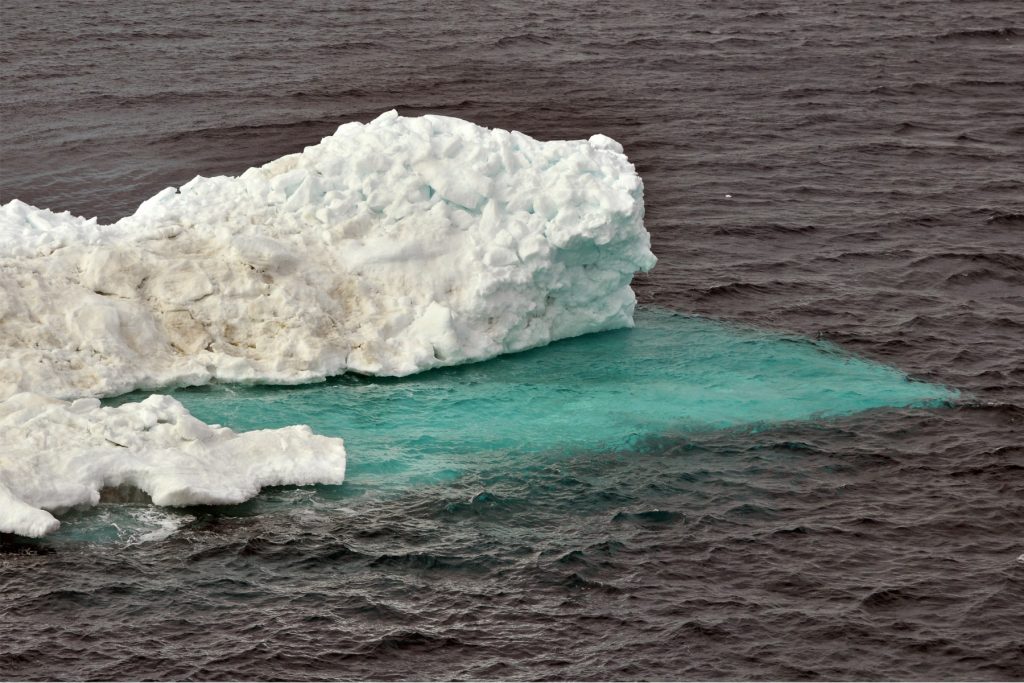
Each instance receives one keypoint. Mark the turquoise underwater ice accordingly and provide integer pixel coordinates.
(671, 374)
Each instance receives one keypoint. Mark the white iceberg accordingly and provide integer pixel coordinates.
(388, 248)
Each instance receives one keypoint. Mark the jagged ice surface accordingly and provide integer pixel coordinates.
(388, 248)
(59, 454)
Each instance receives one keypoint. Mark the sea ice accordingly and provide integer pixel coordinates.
(60, 454)
(387, 248)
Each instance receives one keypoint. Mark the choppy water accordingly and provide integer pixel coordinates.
(872, 158)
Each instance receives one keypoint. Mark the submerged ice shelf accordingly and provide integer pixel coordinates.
(624, 391)
(670, 375)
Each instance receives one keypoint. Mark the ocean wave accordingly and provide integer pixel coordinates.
(999, 34)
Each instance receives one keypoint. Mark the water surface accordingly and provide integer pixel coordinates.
(845, 171)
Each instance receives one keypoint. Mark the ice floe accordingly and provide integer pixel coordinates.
(59, 454)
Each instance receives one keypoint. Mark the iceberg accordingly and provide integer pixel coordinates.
(386, 249)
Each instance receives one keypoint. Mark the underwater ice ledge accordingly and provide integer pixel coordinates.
(388, 248)
(670, 375)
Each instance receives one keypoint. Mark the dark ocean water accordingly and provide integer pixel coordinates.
(847, 171)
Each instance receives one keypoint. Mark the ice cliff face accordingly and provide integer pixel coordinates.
(388, 248)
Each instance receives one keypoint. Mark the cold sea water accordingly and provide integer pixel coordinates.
(835, 192)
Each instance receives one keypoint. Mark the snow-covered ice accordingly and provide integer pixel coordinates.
(59, 454)
(388, 248)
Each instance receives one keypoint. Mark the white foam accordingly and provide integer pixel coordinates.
(156, 524)
(388, 248)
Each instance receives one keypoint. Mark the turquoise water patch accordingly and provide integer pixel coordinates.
(622, 392)
(672, 374)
